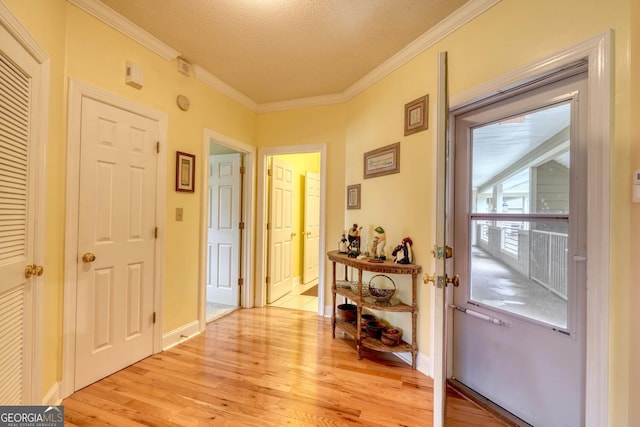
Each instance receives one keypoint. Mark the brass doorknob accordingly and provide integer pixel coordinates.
(429, 278)
(455, 280)
(88, 257)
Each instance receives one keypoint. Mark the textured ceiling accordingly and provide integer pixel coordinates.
(280, 50)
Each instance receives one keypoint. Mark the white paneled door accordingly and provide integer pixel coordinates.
(281, 230)
(223, 236)
(116, 240)
(311, 227)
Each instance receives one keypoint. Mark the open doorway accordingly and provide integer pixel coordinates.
(226, 229)
(291, 219)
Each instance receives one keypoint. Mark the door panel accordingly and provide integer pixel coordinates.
(223, 268)
(19, 198)
(281, 230)
(518, 331)
(116, 240)
(311, 227)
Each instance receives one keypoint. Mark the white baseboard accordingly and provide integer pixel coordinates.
(52, 398)
(423, 363)
(175, 337)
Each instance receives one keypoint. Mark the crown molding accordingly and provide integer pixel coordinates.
(217, 84)
(315, 101)
(451, 23)
(468, 12)
(126, 27)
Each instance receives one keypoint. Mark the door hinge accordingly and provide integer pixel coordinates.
(269, 172)
(268, 280)
(268, 226)
(155, 233)
(158, 147)
(241, 226)
(154, 317)
(243, 170)
(240, 281)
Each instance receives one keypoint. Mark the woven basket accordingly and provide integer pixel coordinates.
(380, 290)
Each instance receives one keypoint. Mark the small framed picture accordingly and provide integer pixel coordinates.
(416, 115)
(382, 161)
(185, 172)
(353, 196)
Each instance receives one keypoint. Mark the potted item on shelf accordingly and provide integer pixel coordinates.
(346, 312)
(375, 328)
(380, 289)
(402, 253)
(391, 337)
(364, 319)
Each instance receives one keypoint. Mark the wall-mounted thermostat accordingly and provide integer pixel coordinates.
(635, 187)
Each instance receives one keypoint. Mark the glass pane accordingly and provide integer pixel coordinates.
(521, 164)
(521, 267)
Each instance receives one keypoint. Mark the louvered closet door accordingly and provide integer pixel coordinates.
(16, 230)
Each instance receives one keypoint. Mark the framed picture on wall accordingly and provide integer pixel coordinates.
(353, 196)
(382, 161)
(185, 172)
(416, 115)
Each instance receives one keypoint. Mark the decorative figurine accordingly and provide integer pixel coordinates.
(402, 253)
(378, 243)
(354, 241)
(343, 245)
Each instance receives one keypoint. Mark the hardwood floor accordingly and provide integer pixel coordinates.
(266, 367)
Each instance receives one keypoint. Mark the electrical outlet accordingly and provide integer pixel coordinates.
(178, 214)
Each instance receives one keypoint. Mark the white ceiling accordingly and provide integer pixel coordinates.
(280, 50)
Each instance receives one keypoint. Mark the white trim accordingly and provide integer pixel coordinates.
(423, 362)
(53, 396)
(120, 23)
(209, 79)
(597, 51)
(248, 218)
(40, 134)
(77, 91)
(261, 223)
(471, 10)
(181, 334)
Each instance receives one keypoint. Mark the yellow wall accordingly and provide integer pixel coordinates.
(302, 163)
(510, 35)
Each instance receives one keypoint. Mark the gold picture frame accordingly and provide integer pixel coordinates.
(185, 172)
(353, 196)
(382, 161)
(416, 115)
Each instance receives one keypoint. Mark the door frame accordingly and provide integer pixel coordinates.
(247, 216)
(39, 128)
(262, 210)
(77, 91)
(597, 51)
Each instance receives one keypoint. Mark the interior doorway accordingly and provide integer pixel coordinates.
(227, 226)
(307, 228)
(293, 212)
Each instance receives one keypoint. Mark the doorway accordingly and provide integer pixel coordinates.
(227, 226)
(520, 245)
(307, 228)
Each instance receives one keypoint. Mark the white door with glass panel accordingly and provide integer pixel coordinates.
(280, 230)
(223, 261)
(520, 251)
(116, 240)
(311, 227)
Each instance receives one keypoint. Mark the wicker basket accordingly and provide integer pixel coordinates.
(380, 290)
(354, 289)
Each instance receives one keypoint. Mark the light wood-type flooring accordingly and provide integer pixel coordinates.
(266, 367)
